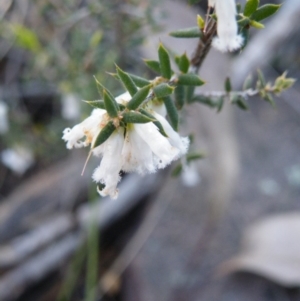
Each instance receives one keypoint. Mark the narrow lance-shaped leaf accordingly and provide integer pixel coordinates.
(179, 97)
(227, 85)
(250, 7)
(136, 117)
(99, 104)
(153, 65)
(138, 98)
(156, 122)
(189, 93)
(191, 32)
(200, 22)
(164, 62)
(127, 81)
(163, 90)
(139, 81)
(111, 105)
(265, 11)
(172, 112)
(100, 88)
(257, 25)
(104, 134)
(190, 79)
(183, 63)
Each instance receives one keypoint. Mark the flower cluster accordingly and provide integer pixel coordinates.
(137, 146)
(228, 38)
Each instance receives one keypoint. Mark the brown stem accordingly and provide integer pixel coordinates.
(204, 45)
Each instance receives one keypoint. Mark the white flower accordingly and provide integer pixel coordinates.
(108, 173)
(227, 29)
(89, 128)
(143, 149)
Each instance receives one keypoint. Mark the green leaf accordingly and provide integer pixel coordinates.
(104, 134)
(220, 104)
(172, 112)
(163, 90)
(164, 62)
(156, 122)
(248, 82)
(204, 100)
(227, 85)
(189, 79)
(250, 7)
(200, 22)
(194, 156)
(111, 106)
(138, 98)
(101, 88)
(127, 81)
(99, 104)
(139, 81)
(153, 65)
(179, 97)
(261, 83)
(183, 63)
(136, 117)
(191, 32)
(257, 25)
(265, 11)
(177, 171)
(189, 93)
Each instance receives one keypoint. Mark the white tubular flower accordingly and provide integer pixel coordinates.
(227, 29)
(108, 173)
(90, 127)
(143, 149)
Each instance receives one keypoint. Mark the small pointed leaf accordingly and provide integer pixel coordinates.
(139, 81)
(164, 62)
(200, 22)
(136, 117)
(172, 112)
(192, 32)
(127, 81)
(257, 25)
(250, 7)
(163, 90)
(190, 79)
(265, 11)
(227, 85)
(157, 123)
(139, 97)
(99, 104)
(104, 134)
(248, 82)
(153, 65)
(179, 97)
(184, 63)
(111, 105)
(189, 93)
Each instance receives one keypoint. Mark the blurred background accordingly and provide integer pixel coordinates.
(228, 229)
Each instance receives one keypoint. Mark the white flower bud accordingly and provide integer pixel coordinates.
(227, 29)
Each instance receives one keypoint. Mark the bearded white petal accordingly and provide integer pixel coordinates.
(136, 154)
(89, 128)
(227, 29)
(182, 143)
(108, 173)
(158, 144)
